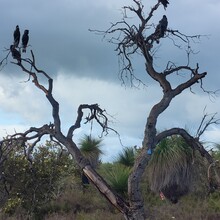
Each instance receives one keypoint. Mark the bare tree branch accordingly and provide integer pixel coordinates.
(96, 113)
(133, 39)
(206, 122)
(192, 142)
(4, 61)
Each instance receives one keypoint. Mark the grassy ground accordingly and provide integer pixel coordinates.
(79, 204)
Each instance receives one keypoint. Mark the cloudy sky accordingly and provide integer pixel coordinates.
(85, 67)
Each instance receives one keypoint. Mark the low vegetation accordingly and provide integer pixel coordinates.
(51, 186)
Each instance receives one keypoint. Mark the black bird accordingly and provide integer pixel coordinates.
(25, 39)
(164, 3)
(161, 28)
(15, 53)
(17, 36)
(163, 25)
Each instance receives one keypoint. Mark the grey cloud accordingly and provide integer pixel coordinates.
(60, 38)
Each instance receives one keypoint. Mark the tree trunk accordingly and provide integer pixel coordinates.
(94, 177)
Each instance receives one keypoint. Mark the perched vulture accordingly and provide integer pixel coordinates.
(15, 53)
(16, 36)
(164, 3)
(25, 39)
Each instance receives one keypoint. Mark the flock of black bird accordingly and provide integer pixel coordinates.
(16, 54)
(161, 28)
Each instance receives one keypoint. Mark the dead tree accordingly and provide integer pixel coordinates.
(54, 131)
(29, 139)
(140, 38)
(131, 39)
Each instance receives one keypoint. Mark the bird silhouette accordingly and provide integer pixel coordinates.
(25, 39)
(15, 53)
(164, 3)
(161, 28)
(16, 36)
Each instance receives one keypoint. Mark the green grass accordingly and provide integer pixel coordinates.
(77, 204)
